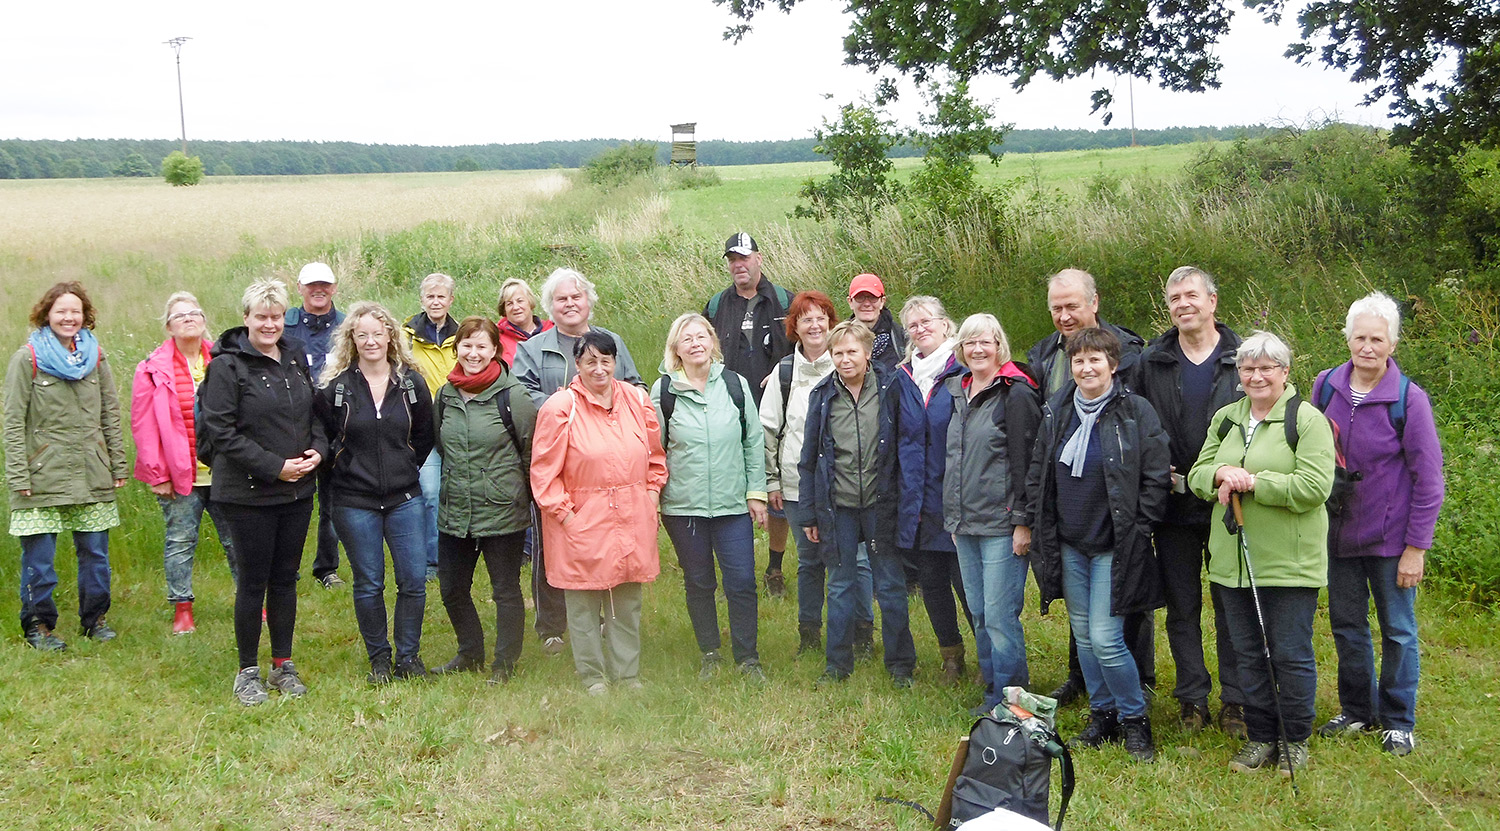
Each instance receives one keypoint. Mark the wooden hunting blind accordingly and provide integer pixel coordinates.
(684, 148)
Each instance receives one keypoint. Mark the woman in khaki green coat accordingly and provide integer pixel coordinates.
(64, 458)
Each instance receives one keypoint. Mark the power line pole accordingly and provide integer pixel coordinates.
(176, 44)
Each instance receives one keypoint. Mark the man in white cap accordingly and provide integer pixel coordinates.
(313, 326)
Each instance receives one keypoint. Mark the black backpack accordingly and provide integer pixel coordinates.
(732, 381)
(1007, 763)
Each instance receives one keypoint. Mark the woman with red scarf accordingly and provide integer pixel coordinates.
(484, 423)
(162, 423)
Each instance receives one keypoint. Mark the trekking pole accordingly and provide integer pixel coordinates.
(1265, 643)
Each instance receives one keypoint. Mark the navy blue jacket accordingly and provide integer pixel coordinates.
(816, 467)
(921, 452)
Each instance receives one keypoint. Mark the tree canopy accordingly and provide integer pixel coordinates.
(1436, 63)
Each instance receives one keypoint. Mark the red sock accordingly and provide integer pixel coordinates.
(277, 662)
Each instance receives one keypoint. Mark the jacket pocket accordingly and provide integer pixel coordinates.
(499, 486)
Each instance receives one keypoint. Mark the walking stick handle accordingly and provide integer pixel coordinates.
(1239, 511)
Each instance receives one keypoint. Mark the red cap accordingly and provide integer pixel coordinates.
(866, 284)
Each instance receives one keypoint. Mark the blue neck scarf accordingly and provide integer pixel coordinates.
(54, 359)
(1077, 448)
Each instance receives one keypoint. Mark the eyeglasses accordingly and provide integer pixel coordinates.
(866, 300)
(982, 343)
(366, 337)
(1265, 371)
(924, 323)
(198, 313)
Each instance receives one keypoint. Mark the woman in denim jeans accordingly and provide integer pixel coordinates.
(163, 425)
(378, 415)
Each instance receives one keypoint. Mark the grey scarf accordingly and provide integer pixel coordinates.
(1077, 447)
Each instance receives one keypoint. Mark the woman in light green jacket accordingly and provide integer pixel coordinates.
(1282, 474)
(64, 458)
(716, 486)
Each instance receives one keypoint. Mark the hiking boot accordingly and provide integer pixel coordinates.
(1252, 755)
(829, 678)
(460, 663)
(411, 669)
(380, 669)
(810, 638)
(182, 621)
(632, 684)
(864, 641)
(1398, 742)
(248, 690)
(1103, 727)
(710, 664)
(1138, 742)
(952, 673)
(1293, 757)
(41, 638)
(597, 689)
(100, 631)
(1342, 726)
(751, 672)
(500, 674)
(775, 583)
(1232, 722)
(286, 680)
(901, 682)
(1193, 716)
(331, 580)
(553, 646)
(1068, 692)
(432, 574)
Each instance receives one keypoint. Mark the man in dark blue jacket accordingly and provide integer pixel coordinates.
(312, 325)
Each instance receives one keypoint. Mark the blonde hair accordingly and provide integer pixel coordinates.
(436, 278)
(852, 328)
(182, 297)
(267, 291)
(342, 355)
(506, 288)
(670, 358)
(975, 325)
(932, 304)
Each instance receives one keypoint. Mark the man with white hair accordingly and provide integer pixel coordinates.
(312, 325)
(434, 347)
(1073, 302)
(544, 365)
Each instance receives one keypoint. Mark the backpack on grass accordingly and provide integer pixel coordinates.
(1006, 762)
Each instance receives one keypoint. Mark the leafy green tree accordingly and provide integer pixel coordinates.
(857, 144)
(223, 168)
(8, 167)
(70, 169)
(182, 170)
(1436, 62)
(621, 164)
(955, 131)
(465, 163)
(134, 164)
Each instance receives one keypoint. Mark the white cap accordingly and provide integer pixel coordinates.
(316, 273)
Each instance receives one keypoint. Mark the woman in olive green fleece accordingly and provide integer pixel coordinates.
(1282, 476)
(716, 486)
(64, 458)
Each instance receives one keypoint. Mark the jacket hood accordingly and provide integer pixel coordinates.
(1162, 346)
(679, 377)
(415, 325)
(813, 369)
(160, 359)
(236, 341)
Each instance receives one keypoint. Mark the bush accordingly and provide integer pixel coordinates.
(613, 168)
(181, 170)
(856, 144)
(223, 169)
(134, 164)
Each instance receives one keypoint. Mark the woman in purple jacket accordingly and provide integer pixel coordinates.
(1378, 538)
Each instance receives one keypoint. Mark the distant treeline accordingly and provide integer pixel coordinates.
(97, 158)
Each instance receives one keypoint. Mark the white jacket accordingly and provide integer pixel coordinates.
(783, 454)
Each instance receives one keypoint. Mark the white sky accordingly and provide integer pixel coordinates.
(442, 72)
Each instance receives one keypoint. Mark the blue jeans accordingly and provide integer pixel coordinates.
(183, 516)
(326, 557)
(995, 584)
(732, 538)
(366, 533)
(1289, 628)
(812, 575)
(1352, 582)
(853, 527)
(431, 481)
(39, 578)
(1109, 671)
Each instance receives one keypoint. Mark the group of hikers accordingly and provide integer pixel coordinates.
(900, 453)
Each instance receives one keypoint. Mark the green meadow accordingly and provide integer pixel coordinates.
(143, 733)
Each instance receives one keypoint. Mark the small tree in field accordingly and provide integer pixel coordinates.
(856, 144)
(953, 132)
(621, 164)
(133, 164)
(182, 170)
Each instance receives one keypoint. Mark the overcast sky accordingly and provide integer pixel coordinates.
(441, 72)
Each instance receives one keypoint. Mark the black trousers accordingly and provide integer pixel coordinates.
(269, 541)
(503, 556)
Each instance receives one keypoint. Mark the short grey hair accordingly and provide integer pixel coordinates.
(975, 325)
(1376, 304)
(1188, 272)
(1263, 345)
(267, 291)
(1079, 276)
(436, 279)
(556, 279)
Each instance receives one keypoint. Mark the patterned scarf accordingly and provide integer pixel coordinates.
(53, 359)
(1077, 448)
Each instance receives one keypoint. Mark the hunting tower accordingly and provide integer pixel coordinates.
(684, 147)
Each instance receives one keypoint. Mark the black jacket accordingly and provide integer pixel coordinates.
(1136, 479)
(754, 360)
(376, 458)
(890, 351)
(1158, 379)
(1051, 349)
(254, 414)
(815, 488)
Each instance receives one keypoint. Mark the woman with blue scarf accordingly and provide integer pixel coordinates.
(64, 458)
(1098, 483)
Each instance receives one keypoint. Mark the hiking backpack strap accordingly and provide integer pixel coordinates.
(735, 383)
(502, 403)
(784, 376)
(1323, 394)
(1290, 421)
(668, 404)
(713, 306)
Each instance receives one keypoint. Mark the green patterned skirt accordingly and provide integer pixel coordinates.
(90, 516)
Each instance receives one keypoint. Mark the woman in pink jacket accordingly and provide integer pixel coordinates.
(161, 421)
(597, 470)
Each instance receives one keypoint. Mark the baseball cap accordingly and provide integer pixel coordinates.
(866, 284)
(316, 273)
(742, 244)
